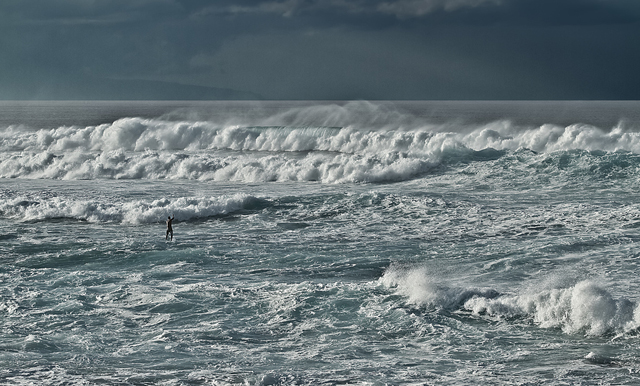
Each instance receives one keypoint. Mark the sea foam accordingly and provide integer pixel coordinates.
(132, 212)
(584, 307)
(138, 134)
(137, 148)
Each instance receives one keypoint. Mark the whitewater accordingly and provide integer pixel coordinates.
(375, 243)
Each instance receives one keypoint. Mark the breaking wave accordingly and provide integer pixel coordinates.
(138, 135)
(134, 212)
(138, 148)
(583, 308)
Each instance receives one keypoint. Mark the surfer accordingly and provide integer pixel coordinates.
(169, 228)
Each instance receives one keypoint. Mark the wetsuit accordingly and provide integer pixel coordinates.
(169, 229)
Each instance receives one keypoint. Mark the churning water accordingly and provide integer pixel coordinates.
(320, 243)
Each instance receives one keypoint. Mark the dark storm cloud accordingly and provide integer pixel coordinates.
(33, 12)
(322, 49)
(527, 11)
(398, 8)
(569, 12)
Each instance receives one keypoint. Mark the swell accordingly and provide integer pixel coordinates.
(137, 148)
(43, 208)
(138, 135)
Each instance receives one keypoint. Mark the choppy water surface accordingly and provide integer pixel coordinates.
(319, 243)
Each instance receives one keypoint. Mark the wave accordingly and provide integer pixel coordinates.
(584, 307)
(139, 148)
(329, 168)
(42, 208)
(138, 134)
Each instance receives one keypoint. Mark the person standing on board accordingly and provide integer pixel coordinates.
(169, 228)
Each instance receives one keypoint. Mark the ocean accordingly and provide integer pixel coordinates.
(320, 243)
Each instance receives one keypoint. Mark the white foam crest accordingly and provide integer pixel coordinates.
(137, 134)
(186, 208)
(134, 212)
(328, 168)
(136, 148)
(425, 289)
(129, 134)
(584, 308)
(551, 138)
(129, 148)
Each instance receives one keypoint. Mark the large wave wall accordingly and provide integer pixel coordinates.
(138, 148)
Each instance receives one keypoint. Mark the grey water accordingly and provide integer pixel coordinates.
(376, 243)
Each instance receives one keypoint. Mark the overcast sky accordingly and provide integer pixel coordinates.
(320, 49)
